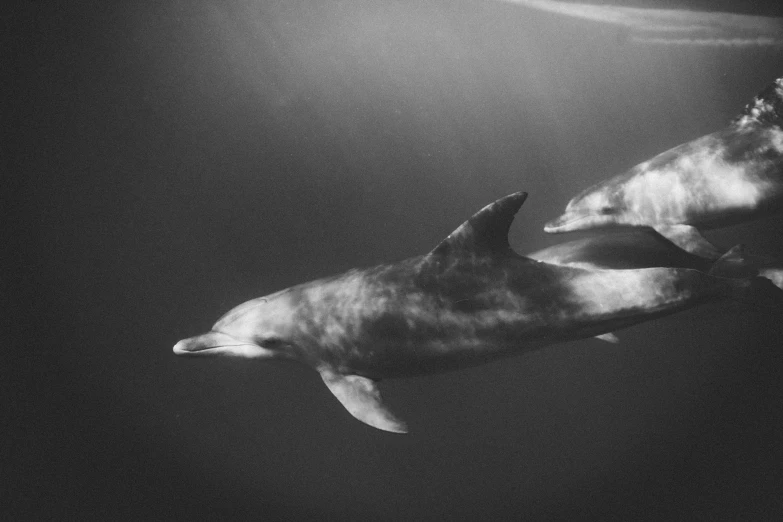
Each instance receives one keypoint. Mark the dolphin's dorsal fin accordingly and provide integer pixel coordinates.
(362, 398)
(486, 231)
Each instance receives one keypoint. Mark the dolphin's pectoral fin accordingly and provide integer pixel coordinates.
(362, 398)
(689, 239)
(608, 337)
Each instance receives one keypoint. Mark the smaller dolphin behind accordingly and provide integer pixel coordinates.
(469, 301)
(725, 178)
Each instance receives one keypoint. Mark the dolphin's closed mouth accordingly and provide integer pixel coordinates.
(187, 347)
(209, 342)
(564, 223)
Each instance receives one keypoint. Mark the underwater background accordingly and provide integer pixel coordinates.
(167, 161)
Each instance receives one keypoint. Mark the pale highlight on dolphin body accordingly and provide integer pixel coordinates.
(673, 26)
(469, 301)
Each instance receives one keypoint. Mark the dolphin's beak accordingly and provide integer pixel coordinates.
(574, 220)
(212, 343)
(565, 223)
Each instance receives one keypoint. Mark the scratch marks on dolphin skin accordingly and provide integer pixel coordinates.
(673, 26)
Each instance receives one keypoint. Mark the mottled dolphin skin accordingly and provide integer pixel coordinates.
(469, 301)
(725, 178)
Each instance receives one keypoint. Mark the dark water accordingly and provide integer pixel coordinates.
(171, 160)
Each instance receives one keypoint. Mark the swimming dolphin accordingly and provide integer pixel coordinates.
(470, 300)
(725, 178)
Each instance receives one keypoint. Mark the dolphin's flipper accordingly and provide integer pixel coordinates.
(362, 398)
(689, 239)
(608, 337)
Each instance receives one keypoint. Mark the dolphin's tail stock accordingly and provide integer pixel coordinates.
(744, 282)
(733, 265)
(736, 264)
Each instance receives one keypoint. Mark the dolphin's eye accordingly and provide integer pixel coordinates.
(271, 342)
(607, 210)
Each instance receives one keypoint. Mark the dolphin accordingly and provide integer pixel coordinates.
(721, 179)
(469, 301)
